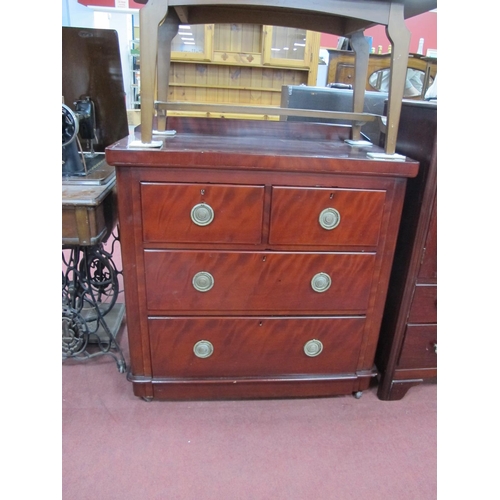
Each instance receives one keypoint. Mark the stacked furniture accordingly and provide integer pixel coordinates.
(257, 255)
(160, 20)
(256, 258)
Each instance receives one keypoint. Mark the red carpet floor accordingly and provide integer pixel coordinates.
(117, 446)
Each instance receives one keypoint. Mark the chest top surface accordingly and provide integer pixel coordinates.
(258, 145)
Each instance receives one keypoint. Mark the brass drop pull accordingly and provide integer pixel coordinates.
(321, 282)
(436, 348)
(202, 214)
(329, 218)
(203, 281)
(203, 349)
(313, 348)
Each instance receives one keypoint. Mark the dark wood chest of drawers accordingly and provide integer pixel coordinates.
(407, 352)
(256, 259)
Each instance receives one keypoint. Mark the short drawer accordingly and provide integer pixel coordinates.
(319, 216)
(225, 347)
(258, 281)
(420, 347)
(202, 213)
(424, 305)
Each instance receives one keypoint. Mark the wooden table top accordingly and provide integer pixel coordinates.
(86, 194)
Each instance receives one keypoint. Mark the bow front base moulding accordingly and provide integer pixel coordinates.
(160, 19)
(256, 258)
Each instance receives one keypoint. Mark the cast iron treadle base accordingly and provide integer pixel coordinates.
(91, 318)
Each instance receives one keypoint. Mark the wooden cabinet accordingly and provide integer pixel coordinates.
(256, 259)
(407, 353)
(244, 64)
(420, 72)
(193, 43)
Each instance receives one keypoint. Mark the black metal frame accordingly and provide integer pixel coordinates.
(90, 288)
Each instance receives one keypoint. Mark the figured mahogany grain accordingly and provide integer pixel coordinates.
(257, 281)
(262, 249)
(238, 212)
(253, 346)
(295, 216)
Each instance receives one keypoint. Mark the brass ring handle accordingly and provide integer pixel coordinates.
(329, 218)
(436, 348)
(203, 349)
(202, 214)
(203, 281)
(321, 282)
(313, 348)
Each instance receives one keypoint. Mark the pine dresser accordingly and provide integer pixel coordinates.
(256, 258)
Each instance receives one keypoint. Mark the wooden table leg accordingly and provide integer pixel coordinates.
(167, 31)
(151, 16)
(399, 35)
(361, 49)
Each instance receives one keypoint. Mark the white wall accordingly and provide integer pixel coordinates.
(76, 15)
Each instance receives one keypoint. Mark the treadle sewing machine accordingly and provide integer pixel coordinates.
(93, 116)
(256, 254)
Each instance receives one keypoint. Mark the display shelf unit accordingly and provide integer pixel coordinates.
(135, 73)
(239, 64)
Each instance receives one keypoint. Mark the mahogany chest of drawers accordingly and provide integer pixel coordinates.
(256, 258)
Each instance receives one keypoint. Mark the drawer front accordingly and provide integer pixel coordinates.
(254, 346)
(428, 267)
(419, 348)
(202, 213)
(246, 281)
(318, 216)
(424, 305)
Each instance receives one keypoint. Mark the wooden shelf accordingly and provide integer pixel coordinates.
(242, 64)
(225, 87)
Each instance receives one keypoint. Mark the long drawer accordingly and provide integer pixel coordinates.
(225, 347)
(320, 216)
(196, 282)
